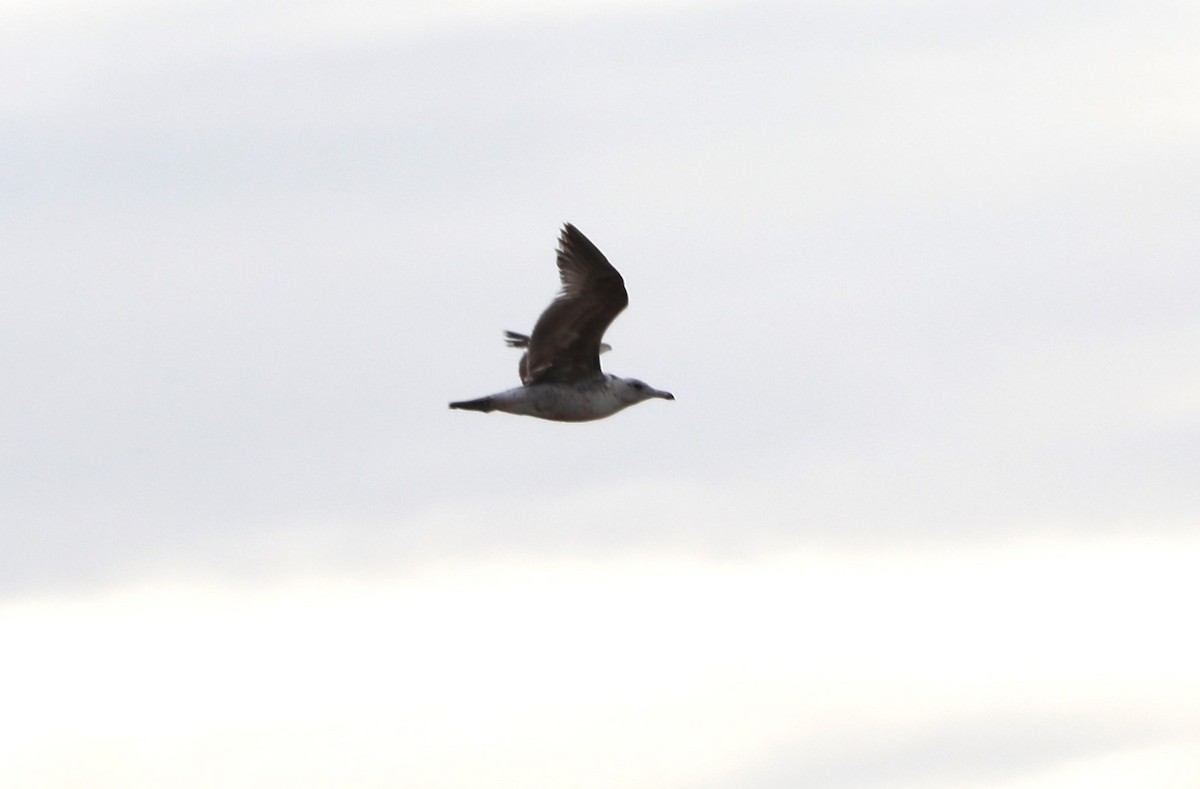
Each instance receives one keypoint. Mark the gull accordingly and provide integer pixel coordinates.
(561, 379)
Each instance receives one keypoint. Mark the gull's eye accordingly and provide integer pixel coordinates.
(638, 385)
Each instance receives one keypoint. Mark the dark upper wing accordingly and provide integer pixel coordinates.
(517, 340)
(565, 344)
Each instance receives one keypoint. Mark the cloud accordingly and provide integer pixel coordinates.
(935, 667)
(906, 270)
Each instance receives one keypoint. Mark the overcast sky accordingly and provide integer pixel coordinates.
(922, 277)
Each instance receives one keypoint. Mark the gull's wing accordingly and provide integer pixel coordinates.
(565, 344)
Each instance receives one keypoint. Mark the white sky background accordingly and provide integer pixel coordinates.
(922, 277)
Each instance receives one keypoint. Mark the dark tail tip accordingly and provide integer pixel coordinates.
(516, 340)
(484, 404)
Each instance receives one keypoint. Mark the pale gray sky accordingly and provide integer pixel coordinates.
(922, 277)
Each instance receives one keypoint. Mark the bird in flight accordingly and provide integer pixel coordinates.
(560, 371)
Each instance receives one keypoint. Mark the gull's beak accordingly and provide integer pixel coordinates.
(664, 395)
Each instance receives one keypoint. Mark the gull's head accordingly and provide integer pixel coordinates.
(634, 391)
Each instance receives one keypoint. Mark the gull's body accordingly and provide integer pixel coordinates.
(560, 369)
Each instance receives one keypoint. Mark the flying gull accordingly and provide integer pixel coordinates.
(560, 371)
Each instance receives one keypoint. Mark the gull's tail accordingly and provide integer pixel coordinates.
(484, 404)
